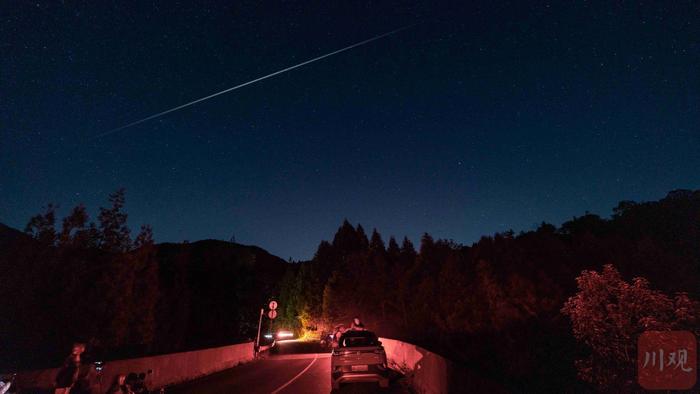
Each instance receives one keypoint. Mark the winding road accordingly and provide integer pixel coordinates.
(293, 367)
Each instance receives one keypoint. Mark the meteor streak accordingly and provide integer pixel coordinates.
(199, 100)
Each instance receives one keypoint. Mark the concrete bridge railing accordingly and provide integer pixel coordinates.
(427, 372)
(165, 370)
(430, 373)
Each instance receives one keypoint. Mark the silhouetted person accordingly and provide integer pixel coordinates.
(136, 382)
(339, 330)
(75, 376)
(68, 374)
(119, 386)
(357, 324)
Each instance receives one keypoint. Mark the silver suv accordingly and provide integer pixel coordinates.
(359, 357)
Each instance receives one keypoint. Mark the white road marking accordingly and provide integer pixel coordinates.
(296, 377)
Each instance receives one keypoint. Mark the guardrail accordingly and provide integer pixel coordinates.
(161, 371)
(430, 373)
(427, 372)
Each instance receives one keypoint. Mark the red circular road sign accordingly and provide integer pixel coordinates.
(272, 314)
(273, 305)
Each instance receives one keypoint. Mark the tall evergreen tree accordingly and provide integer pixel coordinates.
(393, 250)
(408, 252)
(346, 240)
(145, 237)
(427, 244)
(362, 241)
(376, 244)
(324, 252)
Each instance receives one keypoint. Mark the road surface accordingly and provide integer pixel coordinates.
(294, 367)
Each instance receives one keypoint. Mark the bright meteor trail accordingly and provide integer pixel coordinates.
(252, 82)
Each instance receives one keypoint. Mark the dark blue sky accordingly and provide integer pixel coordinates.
(480, 119)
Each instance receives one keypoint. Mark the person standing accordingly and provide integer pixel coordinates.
(68, 373)
(357, 324)
(120, 386)
(337, 333)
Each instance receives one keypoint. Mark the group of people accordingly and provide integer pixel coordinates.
(76, 376)
(339, 330)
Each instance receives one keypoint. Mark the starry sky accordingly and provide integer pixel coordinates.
(481, 118)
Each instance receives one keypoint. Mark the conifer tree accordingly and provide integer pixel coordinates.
(393, 249)
(376, 244)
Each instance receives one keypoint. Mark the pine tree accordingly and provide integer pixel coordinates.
(324, 253)
(393, 250)
(346, 239)
(376, 244)
(427, 244)
(408, 252)
(362, 241)
(145, 237)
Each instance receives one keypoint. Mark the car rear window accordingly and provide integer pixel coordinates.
(359, 339)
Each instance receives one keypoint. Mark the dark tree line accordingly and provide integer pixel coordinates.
(122, 295)
(496, 306)
(81, 282)
(532, 311)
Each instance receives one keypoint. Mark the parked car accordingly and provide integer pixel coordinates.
(359, 357)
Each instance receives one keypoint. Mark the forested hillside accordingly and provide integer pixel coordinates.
(496, 306)
(540, 310)
(91, 282)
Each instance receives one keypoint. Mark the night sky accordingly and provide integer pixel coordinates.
(477, 120)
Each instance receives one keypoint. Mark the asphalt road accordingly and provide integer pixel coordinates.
(294, 367)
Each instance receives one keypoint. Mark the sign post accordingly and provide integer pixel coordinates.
(257, 340)
(271, 314)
